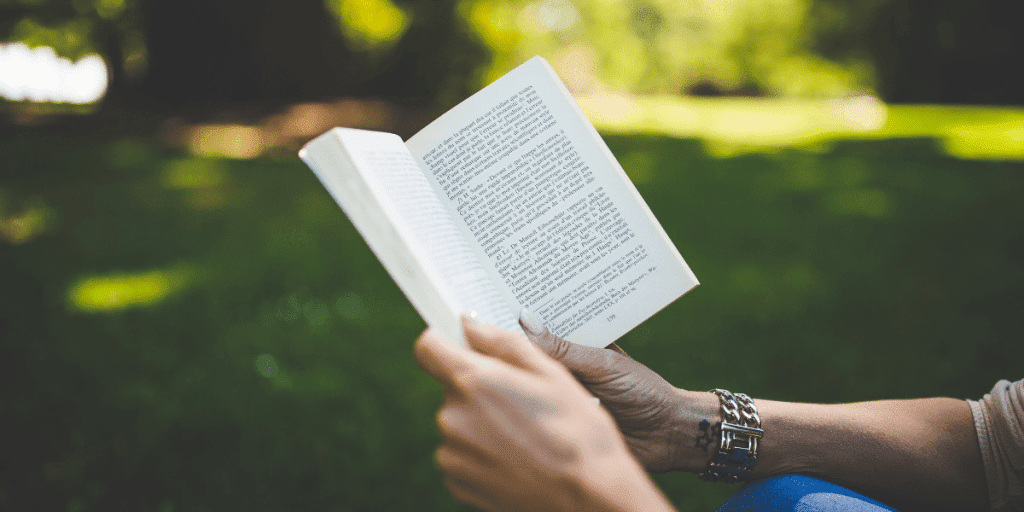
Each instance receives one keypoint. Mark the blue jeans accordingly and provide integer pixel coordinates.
(798, 493)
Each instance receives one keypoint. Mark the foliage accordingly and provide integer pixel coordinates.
(668, 46)
(369, 24)
(902, 50)
(258, 53)
(73, 29)
(225, 51)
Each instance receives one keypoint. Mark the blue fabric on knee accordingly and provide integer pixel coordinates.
(798, 493)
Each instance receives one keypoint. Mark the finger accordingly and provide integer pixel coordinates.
(531, 323)
(553, 345)
(467, 493)
(457, 462)
(539, 334)
(504, 345)
(499, 394)
(465, 477)
(442, 360)
(587, 363)
(616, 348)
(458, 431)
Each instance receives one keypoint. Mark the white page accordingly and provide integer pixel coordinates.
(382, 190)
(562, 229)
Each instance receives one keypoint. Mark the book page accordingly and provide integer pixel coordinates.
(430, 250)
(562, 229)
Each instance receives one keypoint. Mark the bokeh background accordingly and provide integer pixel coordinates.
(189, 323)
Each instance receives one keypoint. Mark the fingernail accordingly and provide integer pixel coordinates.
(532, 323)
(469, 318)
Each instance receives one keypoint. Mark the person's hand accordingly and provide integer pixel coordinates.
(661, 423)
(521, 434)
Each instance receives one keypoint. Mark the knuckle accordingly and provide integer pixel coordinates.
(610, 359)
(447, 423)
(541, 339)
(443, 457)
(458, 489)
(469, 382)
(551, 367)
(419, 350)
(480, 376)
(559, 348)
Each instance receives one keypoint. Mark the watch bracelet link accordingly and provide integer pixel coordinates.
(740, 435)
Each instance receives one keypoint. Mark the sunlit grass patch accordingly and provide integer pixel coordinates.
(19, 226)
(193, 173)
(989, 141)
(734, 126)
(203, 180)
(116, 292)
(228, 140)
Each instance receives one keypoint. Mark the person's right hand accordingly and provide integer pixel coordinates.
(661, 423)
(521, 434)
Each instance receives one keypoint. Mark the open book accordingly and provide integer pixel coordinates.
(509, 200)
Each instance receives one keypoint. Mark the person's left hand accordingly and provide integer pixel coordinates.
(660, 423)
(520, 433)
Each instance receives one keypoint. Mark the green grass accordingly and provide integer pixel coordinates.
(734, 126)
(262, 359)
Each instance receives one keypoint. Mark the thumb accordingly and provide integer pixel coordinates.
(586, 362)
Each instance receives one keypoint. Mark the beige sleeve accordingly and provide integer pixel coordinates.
(999, 421)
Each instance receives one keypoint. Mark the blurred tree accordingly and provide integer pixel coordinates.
(905, 50)
(217, 52)
(437, 60)
(79, 27)
(949, 52)
(668, 46)
(212, 52)
(927, 51)
(266, 51)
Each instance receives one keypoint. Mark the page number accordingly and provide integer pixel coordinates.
(611, 318)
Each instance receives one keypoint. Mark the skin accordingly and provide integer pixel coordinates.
(911, 454)
(521, 432)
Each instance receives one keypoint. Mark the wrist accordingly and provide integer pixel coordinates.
(740, 435)
(619, 486)
(695, 430)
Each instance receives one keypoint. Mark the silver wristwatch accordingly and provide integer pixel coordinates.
(741, 431)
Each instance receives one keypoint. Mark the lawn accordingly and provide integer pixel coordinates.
(188, 334)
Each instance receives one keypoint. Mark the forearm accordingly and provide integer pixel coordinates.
(908, 453)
